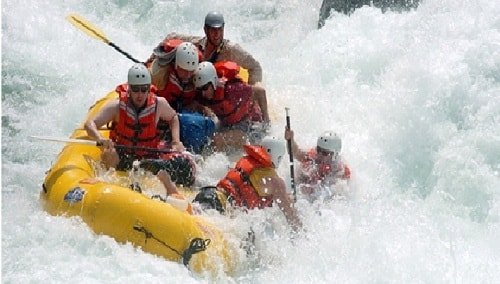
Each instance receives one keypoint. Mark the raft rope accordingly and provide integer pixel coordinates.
(197, 244)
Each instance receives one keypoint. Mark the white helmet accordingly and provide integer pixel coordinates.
(138, 74)
(205, 73)
(186, 56)
(275, 147)
(330, 141)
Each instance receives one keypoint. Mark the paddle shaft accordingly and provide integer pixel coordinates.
(117, 48)
(146, 149)
(94, 143)
(290, 154)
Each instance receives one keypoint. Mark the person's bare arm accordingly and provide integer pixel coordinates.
(269, 183)
(282, 198)
(206, 111)
(297, 153)
(167, 113)
(107, 114)
(237, 54)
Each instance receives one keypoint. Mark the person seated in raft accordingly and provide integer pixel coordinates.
(215, 48)
(172, 66)
(134, 117)
(253, 183)
(221, 91)
(320, 167)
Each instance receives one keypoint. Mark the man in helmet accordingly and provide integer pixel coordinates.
(215, 48)
(221, 92)
(321, 166)
(253, 182)
(134, 117)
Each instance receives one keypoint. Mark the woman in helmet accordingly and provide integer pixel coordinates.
(321, 166)
(172, 68)
(253, 182)
(134, 117)
(221, 91)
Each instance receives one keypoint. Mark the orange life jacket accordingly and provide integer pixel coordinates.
(136, 128)
(175, 92)
(314, 173)
(237, 183)
(233, 102)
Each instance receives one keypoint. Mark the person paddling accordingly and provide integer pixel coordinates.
(321, 166)
(134, 117)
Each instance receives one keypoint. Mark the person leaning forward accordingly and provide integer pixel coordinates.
(215, 48)
(253, 183)
(222, 92)
(134, 116)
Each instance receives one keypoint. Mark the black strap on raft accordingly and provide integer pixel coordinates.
(197, 245)
(148, 235)
(208, 199)
(135, 186)
(159, 197)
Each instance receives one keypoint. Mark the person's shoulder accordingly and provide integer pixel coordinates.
(235, 51)
(114, 103)
(173, 35)
(161, 101)
(112, 107)
(185, 37)
(231, 45)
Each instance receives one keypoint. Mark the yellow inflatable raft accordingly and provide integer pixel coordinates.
(72, 189)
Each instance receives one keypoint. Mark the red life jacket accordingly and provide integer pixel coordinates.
(175, 92)
(314, 173)
(237, 184)
(233, 102)
(136, 128)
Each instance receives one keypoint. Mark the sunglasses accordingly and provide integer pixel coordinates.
(139, 88)
(204, 87)
(323, 152)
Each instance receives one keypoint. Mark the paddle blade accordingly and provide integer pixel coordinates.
(84, 25)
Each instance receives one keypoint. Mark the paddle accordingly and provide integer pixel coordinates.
(290, 154)
(94, 143)
(180, 167)
(84, 25)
